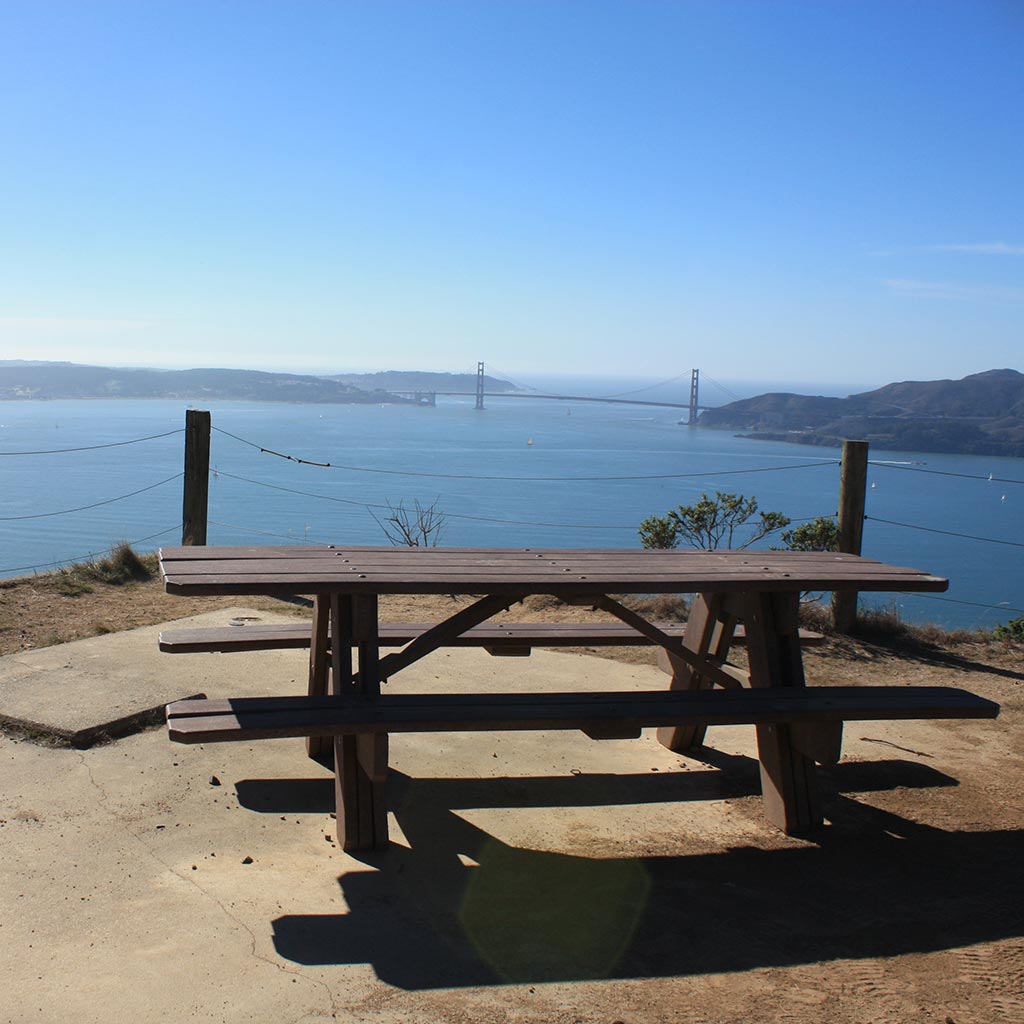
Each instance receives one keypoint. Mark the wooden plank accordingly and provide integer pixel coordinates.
(789, 785)
(319, 748)
(944, 701)
(200, 721)
(371, 750)
(297, 552)
(396, 634)
(346, 793)
(340, 653)
(533, 569)
(707, 632)
(203, 560)
(438, 636)
(514, 585)
(822, 742)
(699, 660)
(364, 635)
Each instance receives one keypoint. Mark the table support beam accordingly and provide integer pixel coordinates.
(709, 632)
(697, 658)
(360, 762)
(455, 625)
(320, 748)
(789, 784)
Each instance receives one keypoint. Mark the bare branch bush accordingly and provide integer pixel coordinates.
(418, 526)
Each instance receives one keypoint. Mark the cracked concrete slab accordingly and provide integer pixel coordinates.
(110, 685)
(162, 882)
(530, 876)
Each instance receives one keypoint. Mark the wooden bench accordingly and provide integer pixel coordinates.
(509, 639)
(599, 714)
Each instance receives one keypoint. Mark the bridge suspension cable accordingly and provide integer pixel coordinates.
(646, 387)
(722, 388)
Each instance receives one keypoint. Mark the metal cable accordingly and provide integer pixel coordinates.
(95, 504)
(94, 447)
(947, 533)
(943, 472)
(91, 554)
(523, 479)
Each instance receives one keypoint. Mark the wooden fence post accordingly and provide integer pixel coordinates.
(853, 480)
(197, 477)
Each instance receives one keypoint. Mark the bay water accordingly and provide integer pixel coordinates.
(550, 470)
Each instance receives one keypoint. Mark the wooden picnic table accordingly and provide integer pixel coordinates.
(345, 716)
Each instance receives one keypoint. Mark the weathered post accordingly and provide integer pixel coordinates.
(853, 480)
(197, 477)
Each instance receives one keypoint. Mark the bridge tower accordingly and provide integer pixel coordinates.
(694, 385)
(479, 385)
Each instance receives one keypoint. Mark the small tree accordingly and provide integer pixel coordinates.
(711, 523)
(418, 527)
(821, 534)
(659, 532)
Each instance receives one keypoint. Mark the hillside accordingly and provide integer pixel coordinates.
(420, 380)
(27, 380)
(982, 414)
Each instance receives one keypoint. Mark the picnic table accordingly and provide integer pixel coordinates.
(347, 719)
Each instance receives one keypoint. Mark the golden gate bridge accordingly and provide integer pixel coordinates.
(693, 406)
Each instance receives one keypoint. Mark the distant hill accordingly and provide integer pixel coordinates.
(24, 380)
(421, 380)
(982, 414)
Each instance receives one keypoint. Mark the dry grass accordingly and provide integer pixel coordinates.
(120, 568)
(884, 625)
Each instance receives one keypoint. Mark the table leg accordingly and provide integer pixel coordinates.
(360, 762)
(320, 748)
(708, 631)
(789, 782)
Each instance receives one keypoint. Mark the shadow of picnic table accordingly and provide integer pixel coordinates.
(459, 907)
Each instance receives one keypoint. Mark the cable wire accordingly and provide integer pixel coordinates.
(947, 533)
(954, 600)
(524, 479)
(943, 472)
(450, 515)
(722, 387)
(94, 447)
(96, 504)
(647, 387)
(90, 554)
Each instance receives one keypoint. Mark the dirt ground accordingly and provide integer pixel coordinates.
(912, 910)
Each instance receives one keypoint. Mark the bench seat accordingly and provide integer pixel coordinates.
(503, 638)
(597, 713)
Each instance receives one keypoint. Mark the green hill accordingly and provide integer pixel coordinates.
(20, 379)
(982, 414)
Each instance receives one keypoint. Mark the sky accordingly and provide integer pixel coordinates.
(825, 191)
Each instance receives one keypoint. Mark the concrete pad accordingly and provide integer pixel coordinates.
(117, 683)
(530, 876)
(128, 888)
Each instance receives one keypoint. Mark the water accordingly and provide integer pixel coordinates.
(260, 498)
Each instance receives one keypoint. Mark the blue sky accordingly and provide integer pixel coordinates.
(827, 191)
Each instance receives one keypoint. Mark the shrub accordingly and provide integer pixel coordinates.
(821, 534)
(1011, 630)
(711, 523)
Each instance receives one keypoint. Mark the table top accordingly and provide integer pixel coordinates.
(319, 569)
